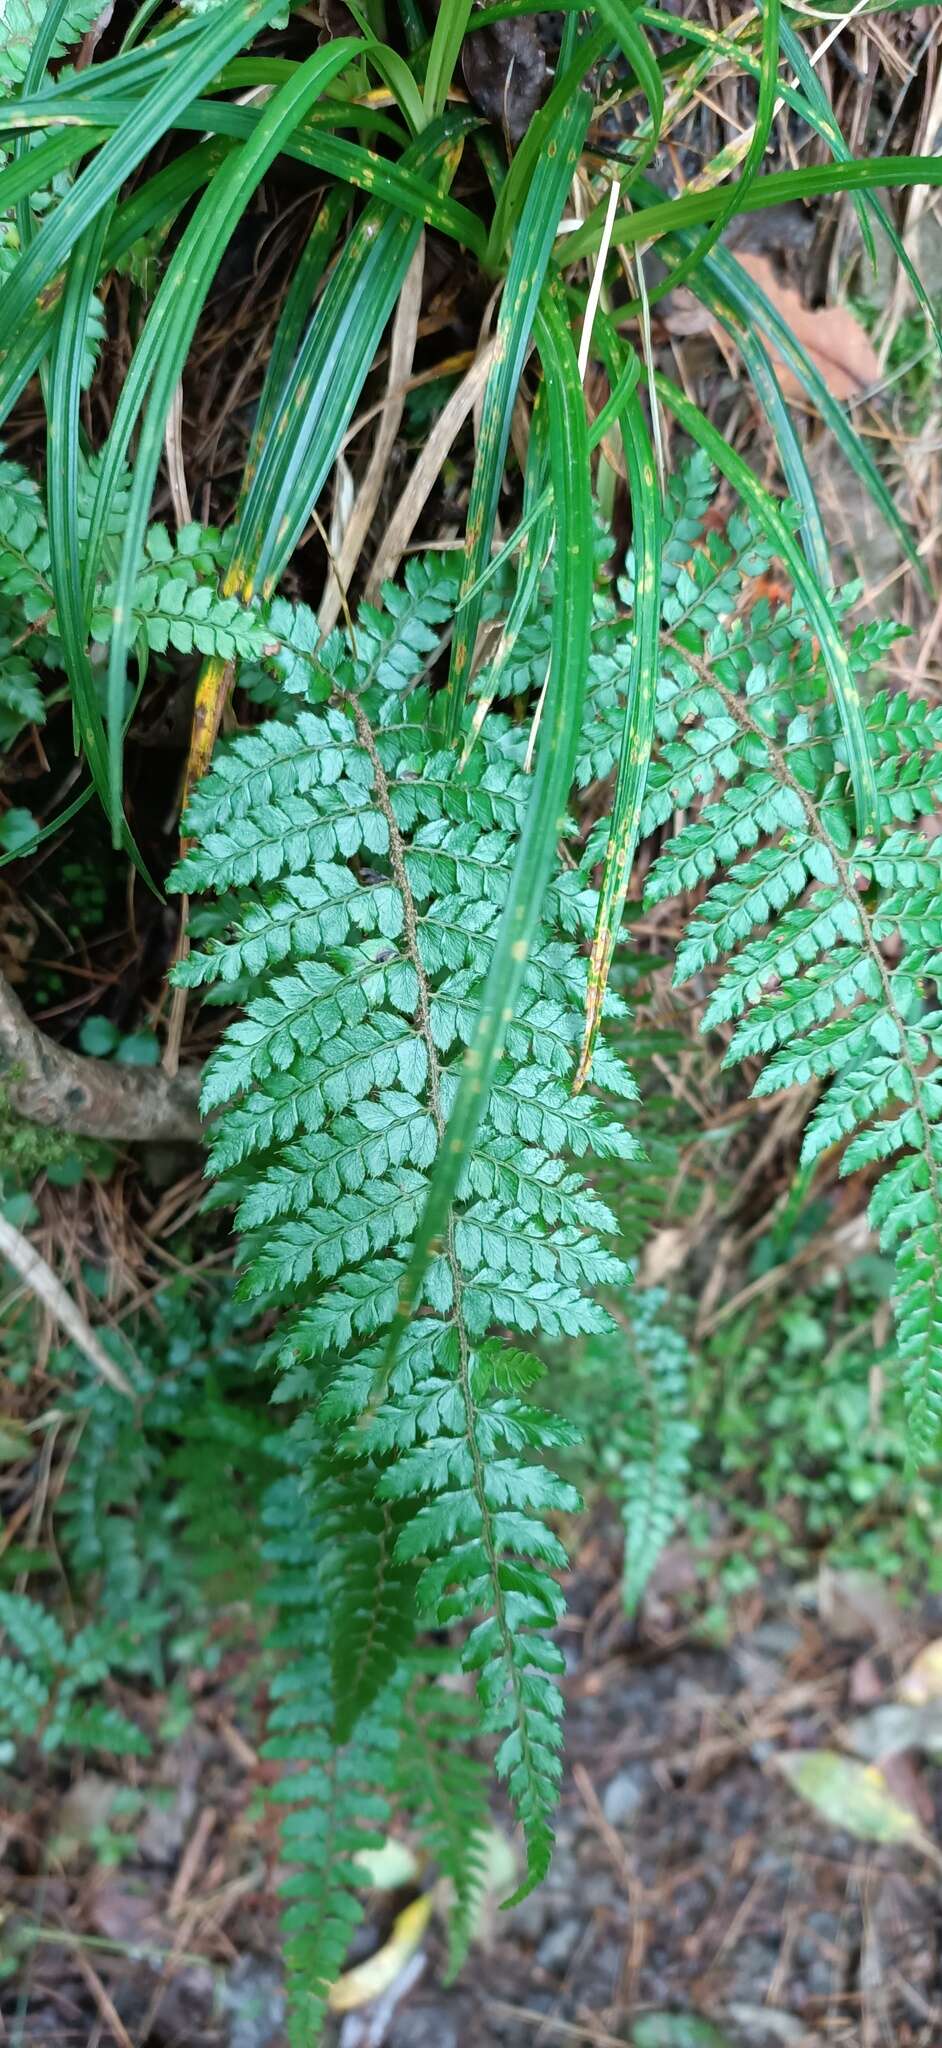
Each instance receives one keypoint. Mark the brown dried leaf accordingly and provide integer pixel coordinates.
(854, 1604)
(866, 1686)
(665, 1253)
(834, 340)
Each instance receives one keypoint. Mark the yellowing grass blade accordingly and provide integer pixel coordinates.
(638, 731)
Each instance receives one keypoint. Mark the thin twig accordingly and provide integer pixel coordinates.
(43, 1283)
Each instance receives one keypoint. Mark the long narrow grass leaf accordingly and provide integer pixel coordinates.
(602, 425)
(867, 204)
(640, 701)
(308, 275)
(813, 595)
(622, 20)
(540, 144)
(349, 162)
(734, 196)
(552, 780)
(328, 374)
(525, 278)
(183, 77)
(448, 35)
(738, 293)
(777, 188)
(160, 353)
(62, 491)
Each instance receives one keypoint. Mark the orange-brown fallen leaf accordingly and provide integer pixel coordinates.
(830, 335)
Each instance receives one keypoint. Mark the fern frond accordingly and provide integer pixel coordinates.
(20, 25)
(42, 1691)
(441, 1785)
(367, 1583)
(659, 1437)
(800, 928)
(335, 1795)
(629, 1390)
(24, 1697)
(461, 1461)
(372, 874)
(21, 700)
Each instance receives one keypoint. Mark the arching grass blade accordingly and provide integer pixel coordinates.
(294, 313)
(161, 352)
(777, 188)
(525, 276)
(347, 161)
(184, 75)
(622, 20)
(815, 598)
(867, 205)
(640, 703)
(319, 396)
(734, 196)
(743, 306)
(447, 38)
(306, 418)
(552, 780)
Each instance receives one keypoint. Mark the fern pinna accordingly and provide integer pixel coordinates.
(822, 948)
(175, 606)
(362, 878)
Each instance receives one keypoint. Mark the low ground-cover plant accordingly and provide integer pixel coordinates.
(393, 881)
(803, 1436)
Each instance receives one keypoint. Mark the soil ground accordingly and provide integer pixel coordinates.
(689, 1878)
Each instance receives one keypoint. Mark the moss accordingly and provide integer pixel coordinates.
(28, 1149)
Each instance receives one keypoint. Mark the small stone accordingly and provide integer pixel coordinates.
(777, 1638)
(558, 1947)
(595, 1890)
(625, 1795)
(254, 2001)
(530, 1917)
(423, 2026)
(760, 1673)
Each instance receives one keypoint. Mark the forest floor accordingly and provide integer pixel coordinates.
(695, 1900)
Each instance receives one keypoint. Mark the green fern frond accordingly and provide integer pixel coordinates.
(800, 927)
(43, 1691)
(371, 875)
(20, 25)
(368, 1589)
(335, 1795)
(629, 1390)
(659, 1437)
(21, 700)
(442, 1787)
(176, 606)
(25, 1697)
